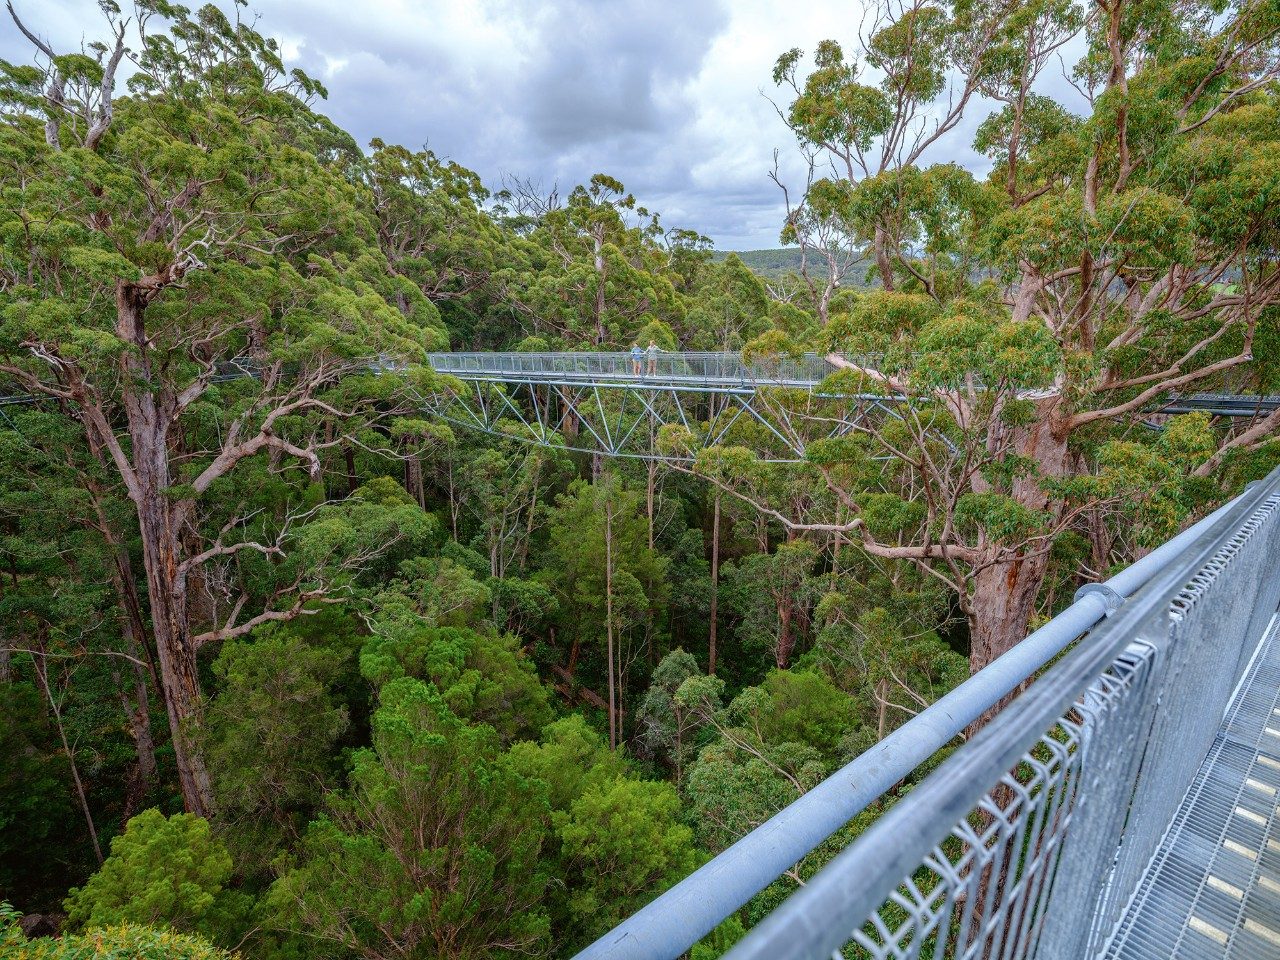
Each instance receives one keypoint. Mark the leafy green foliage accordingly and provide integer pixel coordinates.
(123, 940)
(628, 837)
(482, 677)
(433, 849)
(272, 732)
(162, 870)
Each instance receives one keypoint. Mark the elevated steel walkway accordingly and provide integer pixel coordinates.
(1123, 807)
(612, 404)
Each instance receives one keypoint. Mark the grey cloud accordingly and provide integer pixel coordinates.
(604, 66)
(662, 94)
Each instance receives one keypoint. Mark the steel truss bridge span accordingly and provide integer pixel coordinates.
(612, 404)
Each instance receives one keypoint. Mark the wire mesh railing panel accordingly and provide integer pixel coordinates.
(982, 891)
(684, 368)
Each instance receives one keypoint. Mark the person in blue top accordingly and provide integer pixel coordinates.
(653, 357)
(636, 356)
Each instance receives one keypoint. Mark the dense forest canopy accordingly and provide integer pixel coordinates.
(289, 667)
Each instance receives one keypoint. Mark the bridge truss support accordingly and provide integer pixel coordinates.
(657, 420)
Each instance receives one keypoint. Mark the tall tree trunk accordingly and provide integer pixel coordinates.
(608, 618)
(455, 506)
(413, 481)
(179, 679)
(162, 554)
(880, 243)
(349, 455)
(1005, 592)
(522, 554)
(715, 586)
(1004, 598)
(649, 495)
(597, 307)
(786, 635)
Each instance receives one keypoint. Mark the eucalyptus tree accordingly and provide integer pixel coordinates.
(597, 271)
(155, 244)
(607, 579)
(1034, 321)
(434, 228)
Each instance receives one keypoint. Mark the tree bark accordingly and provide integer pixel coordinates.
(608, 602)
(349, 456)
(174, 646)
(880, 243)
(715, 586)
(786, 635)
(1005, 592)
(162, 554)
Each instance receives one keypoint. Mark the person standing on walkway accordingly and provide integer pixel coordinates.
(653, 357)
(636, 356)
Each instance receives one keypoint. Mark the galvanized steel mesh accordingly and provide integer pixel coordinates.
(1034, 839)
(983, 891)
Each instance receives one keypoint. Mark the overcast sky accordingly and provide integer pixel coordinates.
(668, 96)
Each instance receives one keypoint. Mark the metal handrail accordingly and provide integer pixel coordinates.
(700, 367)
(685, 913)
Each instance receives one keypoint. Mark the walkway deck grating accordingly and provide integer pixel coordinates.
(1213, 887)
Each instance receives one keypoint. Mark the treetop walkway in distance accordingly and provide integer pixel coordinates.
(614, 405)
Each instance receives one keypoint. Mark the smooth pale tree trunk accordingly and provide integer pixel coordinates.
(42, 677)
(608, 605)
(455, 504)
(786, 633)
(715, 586)
(523, 553)
(597, 307)
(650, 490)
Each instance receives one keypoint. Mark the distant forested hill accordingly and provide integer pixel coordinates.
(767, 263)
(773, 264)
